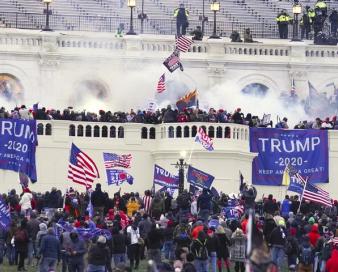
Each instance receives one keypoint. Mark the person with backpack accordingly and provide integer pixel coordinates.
(306, 256)
(133, 249)
(50, 251)
(157, 206)
(21, 244)
(200, 252)
(223, 244)
(182, 235)
(99, 256)
(204, 205)
(292, 249)
(183, 204)
(277, 242)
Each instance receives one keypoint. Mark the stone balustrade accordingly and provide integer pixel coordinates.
(282, 49)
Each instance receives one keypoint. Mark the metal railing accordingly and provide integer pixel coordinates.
(111, 24)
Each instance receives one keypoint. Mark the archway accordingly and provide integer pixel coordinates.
(11, 88)
(256, 89)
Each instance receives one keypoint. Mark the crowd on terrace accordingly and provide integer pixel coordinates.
(164, 115)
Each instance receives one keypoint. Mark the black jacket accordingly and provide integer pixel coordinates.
(98, 198)
(278, 237)
(119, 243)
(99, 255)
(155, 239)
(270, 207)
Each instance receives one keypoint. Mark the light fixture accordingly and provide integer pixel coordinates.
(183, 154)
(132, 5)
(297, 9)
(48, 12)
(214, 6)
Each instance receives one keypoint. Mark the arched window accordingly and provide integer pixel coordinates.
(152, 133)
(96, 131)
(71, 130)
(227, 133)
(211, 132)
(186, 132)
(219, 132)
(171, 132)
(121, 132)
(40, 129)
(112, 133)
(193, 131)
(48, 129)
(204, 129)
(80, 130)
(88, 131)
(104, 132)
(178, 132)
(144, 133)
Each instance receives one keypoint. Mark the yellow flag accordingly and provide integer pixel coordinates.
(286, 177)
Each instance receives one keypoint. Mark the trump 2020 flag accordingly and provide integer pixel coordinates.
(204, 139)
(199, 178)
(165, 178)
(118, 177)
(5, 216)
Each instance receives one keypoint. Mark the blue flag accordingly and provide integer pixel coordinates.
(305, 149)
(118, 177)
(5, 216)
(296, 184)
(165, 178)
(18, 142)
(199, 178)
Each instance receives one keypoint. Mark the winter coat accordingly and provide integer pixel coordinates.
(278, 237)
(50, 247)
(314, 235)
(332, 263)
(119, 243)
(25, 201)
(132, 206)
(99, 255)
(222, 246)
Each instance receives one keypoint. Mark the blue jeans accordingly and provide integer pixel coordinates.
(96, 268)
(2, 251)
(47, 264)
(278, 255)
(119, 258)
(168, 250)
(201, 265)
(213, 261)
(11, 254)
(30, 251)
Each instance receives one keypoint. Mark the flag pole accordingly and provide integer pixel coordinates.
(301, 199)
(191, 151)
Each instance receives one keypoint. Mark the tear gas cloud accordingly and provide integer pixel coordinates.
(134, 88)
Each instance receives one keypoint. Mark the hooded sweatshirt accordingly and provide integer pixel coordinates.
(332, 263)
(314, 235)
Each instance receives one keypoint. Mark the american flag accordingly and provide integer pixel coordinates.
(112, 160)
(81, 169)
(161, 84)
(183, 43)
(316, 194)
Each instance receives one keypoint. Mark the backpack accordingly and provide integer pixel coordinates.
(202, 253)
(20, 236)
(182, 233)
(306, 255)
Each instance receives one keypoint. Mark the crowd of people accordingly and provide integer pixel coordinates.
(165, 115)
(195, 231)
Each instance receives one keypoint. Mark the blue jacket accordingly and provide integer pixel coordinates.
(50, 247)
(286, 206)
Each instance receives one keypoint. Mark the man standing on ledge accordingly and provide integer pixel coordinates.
(182, 23)
(283, 19)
